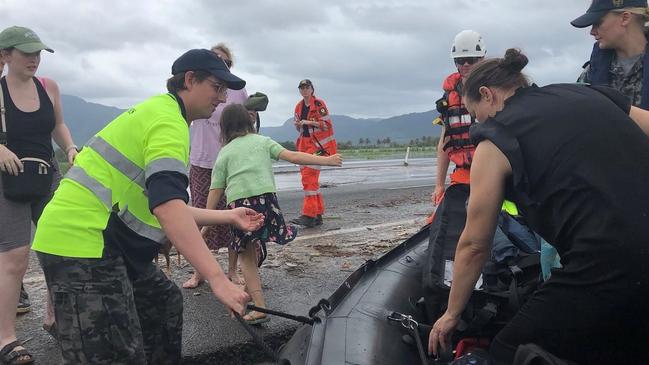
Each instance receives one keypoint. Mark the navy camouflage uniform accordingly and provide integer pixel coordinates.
(629, 85)
(96, 303)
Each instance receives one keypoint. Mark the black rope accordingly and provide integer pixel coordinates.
(420, 346)
(300, 319)
(257, 338)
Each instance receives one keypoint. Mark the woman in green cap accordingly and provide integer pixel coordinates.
(33, 116)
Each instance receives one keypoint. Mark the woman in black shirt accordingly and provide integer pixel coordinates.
(33, 117)
(575, 159)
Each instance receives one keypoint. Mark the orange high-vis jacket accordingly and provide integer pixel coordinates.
(320, 137)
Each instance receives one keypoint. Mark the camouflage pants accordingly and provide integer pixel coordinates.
(104, 317)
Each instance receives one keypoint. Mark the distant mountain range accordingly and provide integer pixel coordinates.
(85, 119)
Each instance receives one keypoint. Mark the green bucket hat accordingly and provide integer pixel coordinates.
(23, 39)
(257, 102)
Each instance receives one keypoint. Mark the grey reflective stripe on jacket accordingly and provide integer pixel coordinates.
(136, 225)
(136, 174)
(103, 193)
(165, 164)
(311, 192)
(117, 159)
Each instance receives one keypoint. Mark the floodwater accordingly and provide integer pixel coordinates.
(361, 172)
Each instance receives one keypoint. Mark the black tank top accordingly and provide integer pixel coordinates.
(30, 134)
(580, 168)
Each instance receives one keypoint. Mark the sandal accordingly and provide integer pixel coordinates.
(10, 356)
(255, 320)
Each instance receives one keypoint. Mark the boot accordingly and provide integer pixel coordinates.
(305, 220)
(318, 220)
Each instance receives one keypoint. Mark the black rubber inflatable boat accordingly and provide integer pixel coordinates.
(382, 313)
(360, 323)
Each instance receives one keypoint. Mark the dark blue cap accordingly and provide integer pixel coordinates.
(206, 60)
(599, 8)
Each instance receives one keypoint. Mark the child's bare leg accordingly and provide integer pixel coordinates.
(232, 267)
(194, 281)
(248, 260)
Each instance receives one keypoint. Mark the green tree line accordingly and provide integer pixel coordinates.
(366, 143)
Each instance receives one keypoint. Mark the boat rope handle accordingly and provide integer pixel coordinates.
(322, 304)
(300, 319)
(257, 338)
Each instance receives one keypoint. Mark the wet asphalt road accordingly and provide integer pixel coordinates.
(369, 209)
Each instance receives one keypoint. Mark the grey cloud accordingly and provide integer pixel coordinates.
(368, 59)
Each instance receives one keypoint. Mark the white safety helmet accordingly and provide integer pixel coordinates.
(468, 43)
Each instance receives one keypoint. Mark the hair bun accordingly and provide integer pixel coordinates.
(514, 60)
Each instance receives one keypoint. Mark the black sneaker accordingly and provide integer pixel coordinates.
(24, 304)
(318, 220)
(305, 220)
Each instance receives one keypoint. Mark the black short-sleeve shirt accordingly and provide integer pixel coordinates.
(580, 168)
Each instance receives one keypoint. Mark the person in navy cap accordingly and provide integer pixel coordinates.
(618, 59)
(124, 197)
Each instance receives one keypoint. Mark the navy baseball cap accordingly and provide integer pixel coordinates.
(599, 8)
(206, 60)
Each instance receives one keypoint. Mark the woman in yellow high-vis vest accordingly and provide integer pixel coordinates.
(126, 192)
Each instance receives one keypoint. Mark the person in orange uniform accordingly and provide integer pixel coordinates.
(316, 136)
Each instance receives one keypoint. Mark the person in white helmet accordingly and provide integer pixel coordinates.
(454, 143)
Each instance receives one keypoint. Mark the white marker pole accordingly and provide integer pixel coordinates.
(405, 161)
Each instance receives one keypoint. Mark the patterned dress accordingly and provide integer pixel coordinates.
(274, 229)
(199, 185)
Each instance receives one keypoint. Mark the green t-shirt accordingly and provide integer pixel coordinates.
(244, 167)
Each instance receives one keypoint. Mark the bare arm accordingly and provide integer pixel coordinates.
(302, 158)
(442, 161)
(213, 198)
(442, 168)
(176, 219)
(210, 217)
(61, 133)
(641, 117)
(488, 173)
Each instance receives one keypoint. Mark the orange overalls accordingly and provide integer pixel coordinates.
(321, 141)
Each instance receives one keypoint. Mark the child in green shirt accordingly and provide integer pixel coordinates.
(244, 171)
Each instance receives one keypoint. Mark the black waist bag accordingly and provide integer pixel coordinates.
(33, 183)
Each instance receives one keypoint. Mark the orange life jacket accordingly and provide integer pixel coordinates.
(457, 122)
(321, 138)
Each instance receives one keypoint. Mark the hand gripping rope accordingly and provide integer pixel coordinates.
(259, 340)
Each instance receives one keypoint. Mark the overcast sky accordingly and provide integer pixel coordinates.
(365, 58)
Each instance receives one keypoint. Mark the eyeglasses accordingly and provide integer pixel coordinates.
(226, 61)
(469, 60)
(219, 88)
